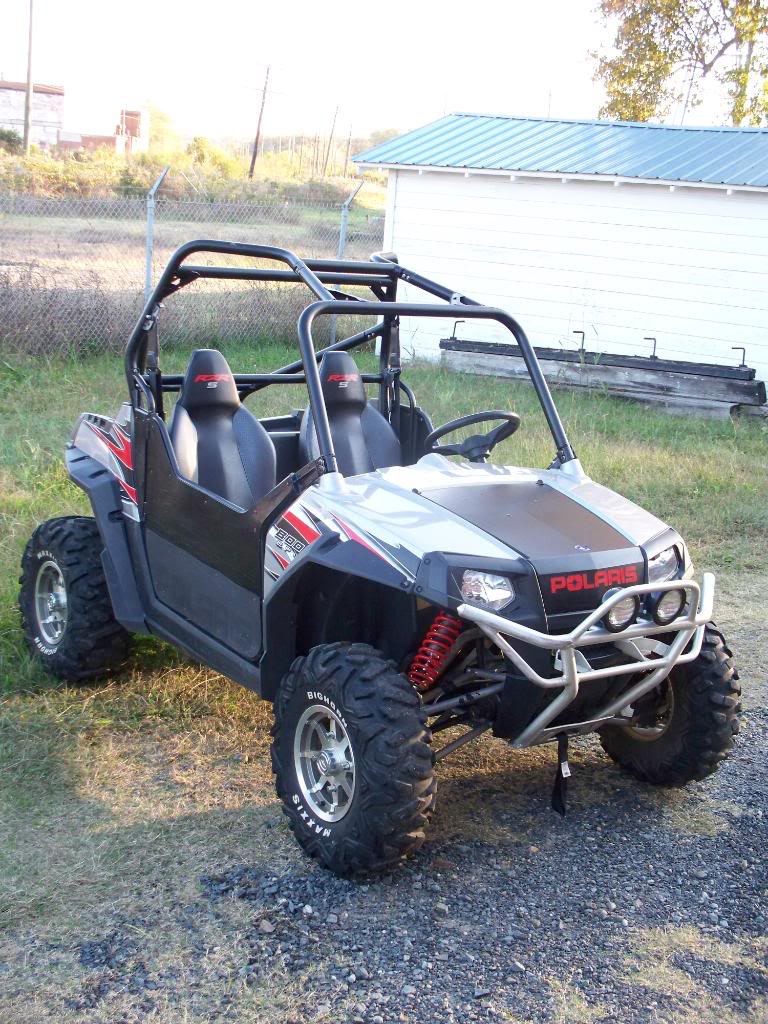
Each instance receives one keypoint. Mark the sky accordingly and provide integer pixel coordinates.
(390, 65)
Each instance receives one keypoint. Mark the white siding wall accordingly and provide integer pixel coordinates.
(47, 114)
(620, 263)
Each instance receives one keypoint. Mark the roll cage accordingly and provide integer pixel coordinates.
(325, 279)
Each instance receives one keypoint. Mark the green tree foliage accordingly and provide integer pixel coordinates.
(665, 49)
(10, 141)
(382, 135)
(210, 158)
(162, 136)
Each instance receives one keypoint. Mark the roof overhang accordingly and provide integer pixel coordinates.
(564, 177)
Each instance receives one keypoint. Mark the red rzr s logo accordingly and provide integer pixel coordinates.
(203, 378)
(338, 377)
(575, 581)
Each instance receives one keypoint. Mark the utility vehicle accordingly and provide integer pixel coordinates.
(338, 562)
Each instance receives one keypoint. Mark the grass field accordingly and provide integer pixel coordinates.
(116, 798)
(707, 478)
(73, 272)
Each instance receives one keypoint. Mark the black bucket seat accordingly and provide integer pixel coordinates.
(362, 438)
(219, 444)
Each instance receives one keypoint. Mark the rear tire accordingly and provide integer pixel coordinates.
(699, 729)
(66, 612)
(352, 760)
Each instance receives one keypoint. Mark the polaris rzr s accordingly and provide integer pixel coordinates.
(335, 560)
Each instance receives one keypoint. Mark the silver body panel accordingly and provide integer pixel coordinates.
(388, 506)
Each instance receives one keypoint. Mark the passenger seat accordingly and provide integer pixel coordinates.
(219, 444)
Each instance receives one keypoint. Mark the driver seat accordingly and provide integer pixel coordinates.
(219, 444)
(362, 438)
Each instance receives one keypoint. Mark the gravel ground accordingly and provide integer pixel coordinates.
(640, 906)
(464, 933)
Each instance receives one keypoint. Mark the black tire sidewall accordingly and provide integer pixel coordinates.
(93, 643)
(34, 558)
(669, 745)
(306, 694)
(395, 785)
(703, 723)
(45, 545)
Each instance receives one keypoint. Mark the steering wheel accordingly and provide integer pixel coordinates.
(478, 447)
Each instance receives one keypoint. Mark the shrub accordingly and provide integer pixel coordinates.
(10, 140)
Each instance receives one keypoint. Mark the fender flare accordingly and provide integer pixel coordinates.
(104, 495)
(280, 609)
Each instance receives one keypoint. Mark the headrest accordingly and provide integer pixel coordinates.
(341, 381)
(208, 382)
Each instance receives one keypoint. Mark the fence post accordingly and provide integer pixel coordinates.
(151, 233)
(345, 220)
(343, 241)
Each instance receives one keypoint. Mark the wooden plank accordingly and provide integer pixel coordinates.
(603, 359)
(761, 411)
(627, 382)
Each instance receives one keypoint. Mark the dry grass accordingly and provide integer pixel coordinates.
(72, 270)
(116, 798)
(95, 782)
(660, 966)
(567, 1006)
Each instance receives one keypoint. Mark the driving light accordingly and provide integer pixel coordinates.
(622, 614)
(486, 590)
(664, 566)
(668, 606)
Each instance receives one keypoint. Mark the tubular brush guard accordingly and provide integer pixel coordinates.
(576, 669)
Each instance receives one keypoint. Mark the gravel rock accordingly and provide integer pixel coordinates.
(487, 927)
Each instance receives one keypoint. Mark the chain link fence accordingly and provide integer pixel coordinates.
(73, 272)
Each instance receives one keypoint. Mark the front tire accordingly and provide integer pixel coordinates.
(352, 760)
(66, 612)
(698, 719)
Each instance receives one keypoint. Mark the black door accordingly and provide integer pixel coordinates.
(203, 553)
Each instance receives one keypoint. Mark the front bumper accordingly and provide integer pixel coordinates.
(574, 666)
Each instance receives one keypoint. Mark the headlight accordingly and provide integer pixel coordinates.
(664, 566)
(622, 614)
(668, 606)
(486, 590)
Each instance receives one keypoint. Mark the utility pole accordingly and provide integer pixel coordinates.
(349, 149)
(255, 152)
(28, 97)
(330, 142)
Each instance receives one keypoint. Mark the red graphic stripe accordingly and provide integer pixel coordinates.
(283, 561)
(130, 491)
(353, 535)
(305, 531)
(122, 452)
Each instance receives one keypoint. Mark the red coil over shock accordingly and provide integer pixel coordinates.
(430, 658)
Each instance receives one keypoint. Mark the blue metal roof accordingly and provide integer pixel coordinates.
(717, 156)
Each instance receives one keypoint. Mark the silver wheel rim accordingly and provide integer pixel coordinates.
(50, 603)
(324, 762)
(648, 733)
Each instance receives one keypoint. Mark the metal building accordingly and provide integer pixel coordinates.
(622, 231)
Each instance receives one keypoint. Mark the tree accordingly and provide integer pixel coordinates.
(382, 135)
(212, 159)
(665, 49)
(162, 136)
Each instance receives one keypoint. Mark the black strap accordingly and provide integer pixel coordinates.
(562, 774)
